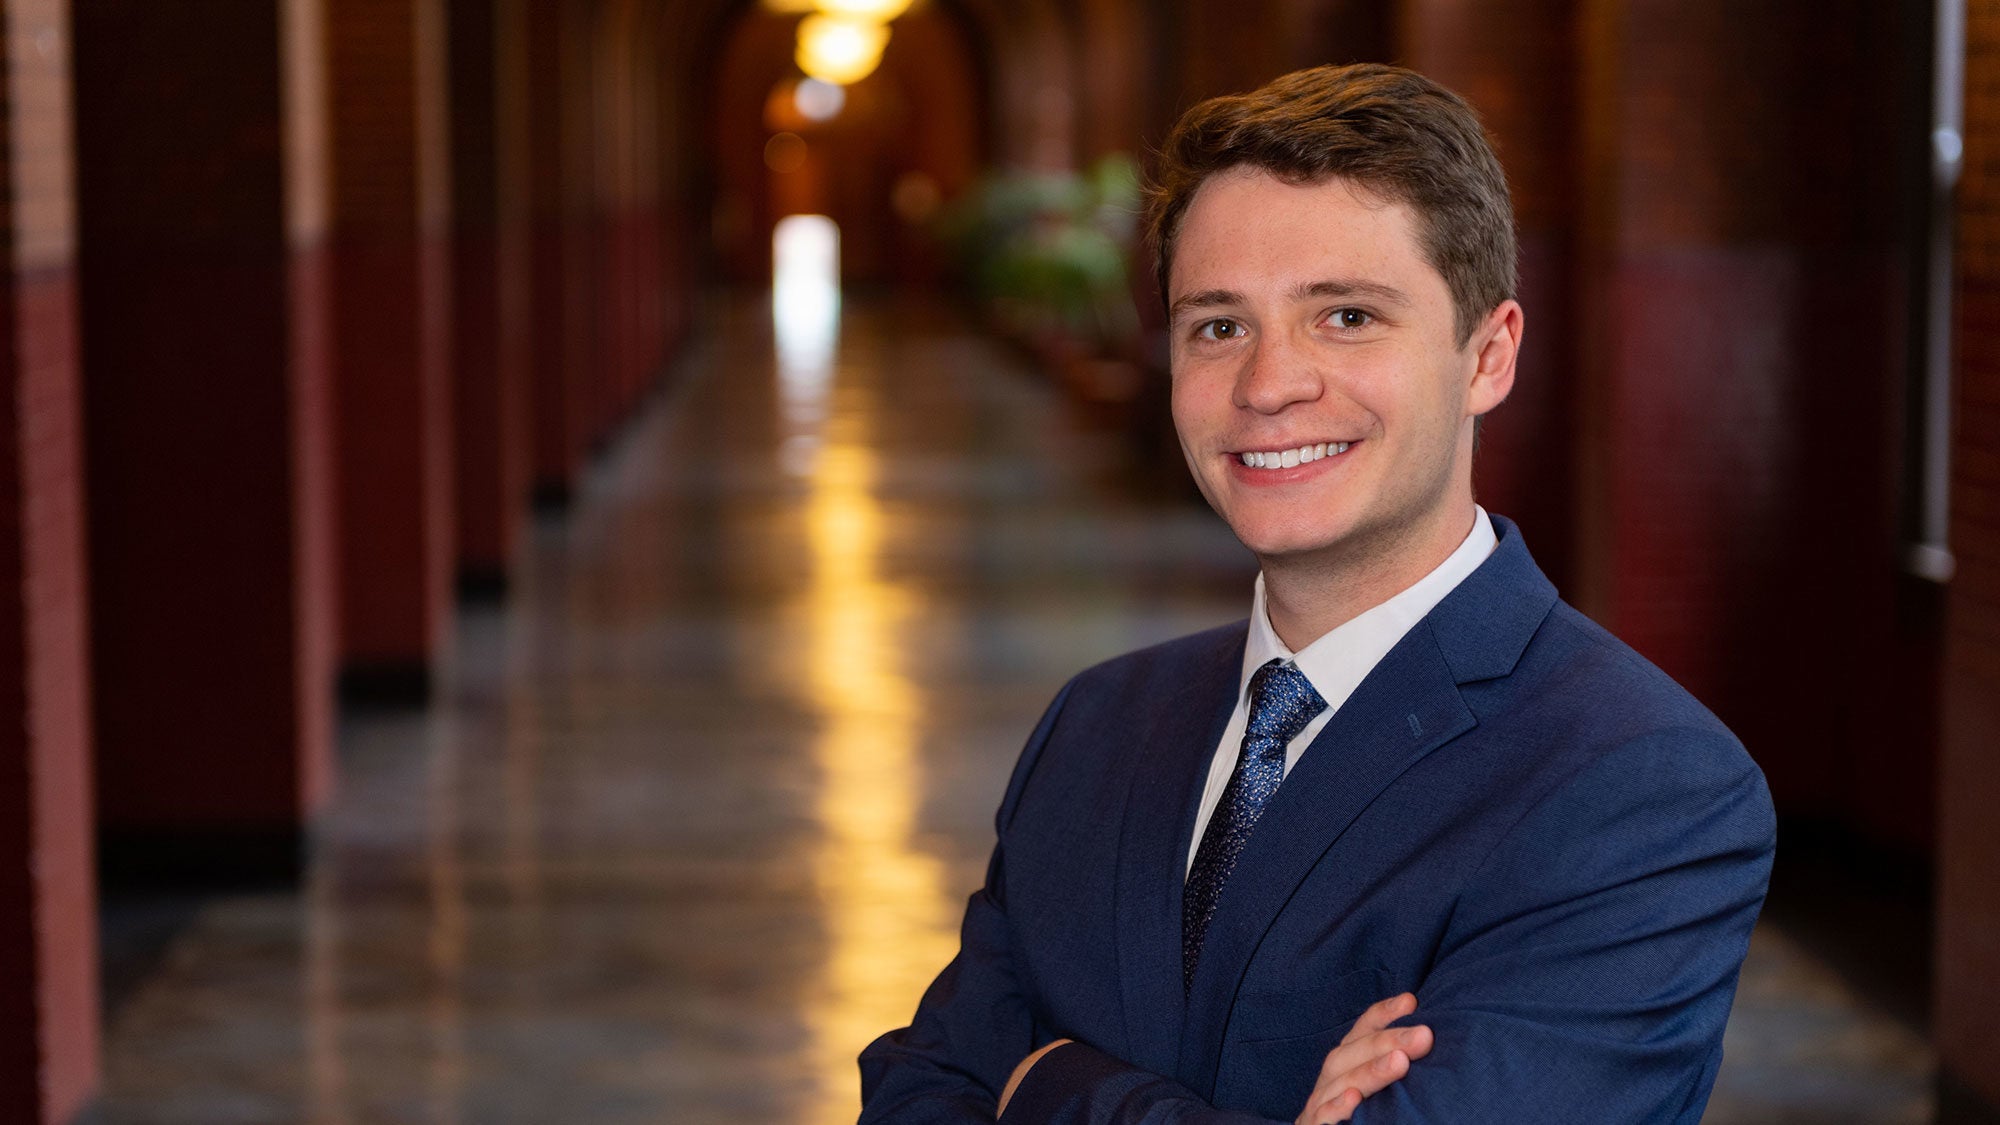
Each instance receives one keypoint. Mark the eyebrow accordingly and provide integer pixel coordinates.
(1342, 287)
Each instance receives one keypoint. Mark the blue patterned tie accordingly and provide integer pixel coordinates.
(1282, 702)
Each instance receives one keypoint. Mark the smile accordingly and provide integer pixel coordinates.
(1292, 458)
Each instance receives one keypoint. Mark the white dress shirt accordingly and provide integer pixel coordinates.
(1337, 662)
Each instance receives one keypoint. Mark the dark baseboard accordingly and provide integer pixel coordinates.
(201, 859)
(551, 496)
(1863, 908)
(387, 683)
(1957, 1104)
(482, 583)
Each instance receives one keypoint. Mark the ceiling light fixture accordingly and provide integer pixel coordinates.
(840, 49)
(880, 11)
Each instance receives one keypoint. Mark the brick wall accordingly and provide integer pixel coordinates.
(559, 203)
(391, 318)
(309, 371)
(1744, 351)
(490, 333)
(208, 492)
(48, 909)
(1516, 61)
(1967, 1013)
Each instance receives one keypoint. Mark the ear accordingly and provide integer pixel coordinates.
(1495, 344)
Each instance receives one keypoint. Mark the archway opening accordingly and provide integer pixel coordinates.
(879, 157)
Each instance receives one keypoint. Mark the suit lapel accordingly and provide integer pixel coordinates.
(1168, 769)
(1407, 707)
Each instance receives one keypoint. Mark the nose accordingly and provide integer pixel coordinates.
(1276, 374)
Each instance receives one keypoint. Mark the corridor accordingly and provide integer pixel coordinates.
(696, 810)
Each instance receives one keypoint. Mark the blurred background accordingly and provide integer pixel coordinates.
(540, 525)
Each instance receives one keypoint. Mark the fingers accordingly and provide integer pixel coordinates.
(1381, 1014)
(1373, 1076)
(1355, 1055)
(1333, 1110)
(1372, 1056)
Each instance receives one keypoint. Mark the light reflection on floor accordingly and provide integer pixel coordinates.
(700, 808)
(889, 916)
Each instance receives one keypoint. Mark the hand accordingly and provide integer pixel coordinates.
(1372, 1056)
(1021, 1071)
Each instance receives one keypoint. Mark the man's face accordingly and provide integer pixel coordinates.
(1306, 317)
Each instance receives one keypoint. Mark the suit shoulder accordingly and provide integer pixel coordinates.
(1602, 744)
(1581, 702)
(1575, 659)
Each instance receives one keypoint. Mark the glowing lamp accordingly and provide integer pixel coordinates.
(840, 50)
(879, 11)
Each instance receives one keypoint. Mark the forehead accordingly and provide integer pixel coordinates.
(1247, 230)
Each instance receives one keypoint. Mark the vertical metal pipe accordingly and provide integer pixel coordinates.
(1930, 555)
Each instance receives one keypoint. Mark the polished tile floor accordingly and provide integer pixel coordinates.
(696, 814)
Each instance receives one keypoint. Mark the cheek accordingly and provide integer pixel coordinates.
(1192, 401)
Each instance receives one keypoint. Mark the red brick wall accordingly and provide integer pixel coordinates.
(208, 491)
(1967, 1012)
(391, 300)
(489, 127)
(1516, 61)
(1743, 362)
(309, 374)
(48, 908)
(622, 203)
(1113, 56)
(559, 201)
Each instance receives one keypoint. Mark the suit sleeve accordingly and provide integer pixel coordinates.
(1587, 972)
(975, 1023)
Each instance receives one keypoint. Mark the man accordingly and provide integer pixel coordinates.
(1413, 773)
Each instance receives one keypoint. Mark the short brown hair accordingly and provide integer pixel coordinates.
(1393, 131)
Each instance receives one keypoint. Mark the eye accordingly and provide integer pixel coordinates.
(1351, 319)
(1221, 328)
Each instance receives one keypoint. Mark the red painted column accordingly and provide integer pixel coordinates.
(643, 233)
(609, 118)
(1515, 60)
(392, 306)
(678, 245)
(561, 296)
(1739, 424)
(1966, 1011)
(491, 327)
(48, 902)
(632, 197)
(209, 484)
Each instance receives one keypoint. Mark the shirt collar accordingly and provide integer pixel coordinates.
(1337, 662)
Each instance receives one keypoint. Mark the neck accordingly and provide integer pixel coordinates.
(1309, 596)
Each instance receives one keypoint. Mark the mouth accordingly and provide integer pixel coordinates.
(1292, 458)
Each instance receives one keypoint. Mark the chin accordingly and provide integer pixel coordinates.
(1289, 542)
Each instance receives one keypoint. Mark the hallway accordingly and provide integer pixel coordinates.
(696, 812)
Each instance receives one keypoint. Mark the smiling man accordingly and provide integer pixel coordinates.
(1416, 842)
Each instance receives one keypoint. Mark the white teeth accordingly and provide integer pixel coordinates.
(1291, 458)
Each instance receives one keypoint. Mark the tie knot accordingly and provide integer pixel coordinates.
(1282, 702)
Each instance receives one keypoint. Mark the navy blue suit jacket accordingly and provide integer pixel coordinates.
(1514, 816)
